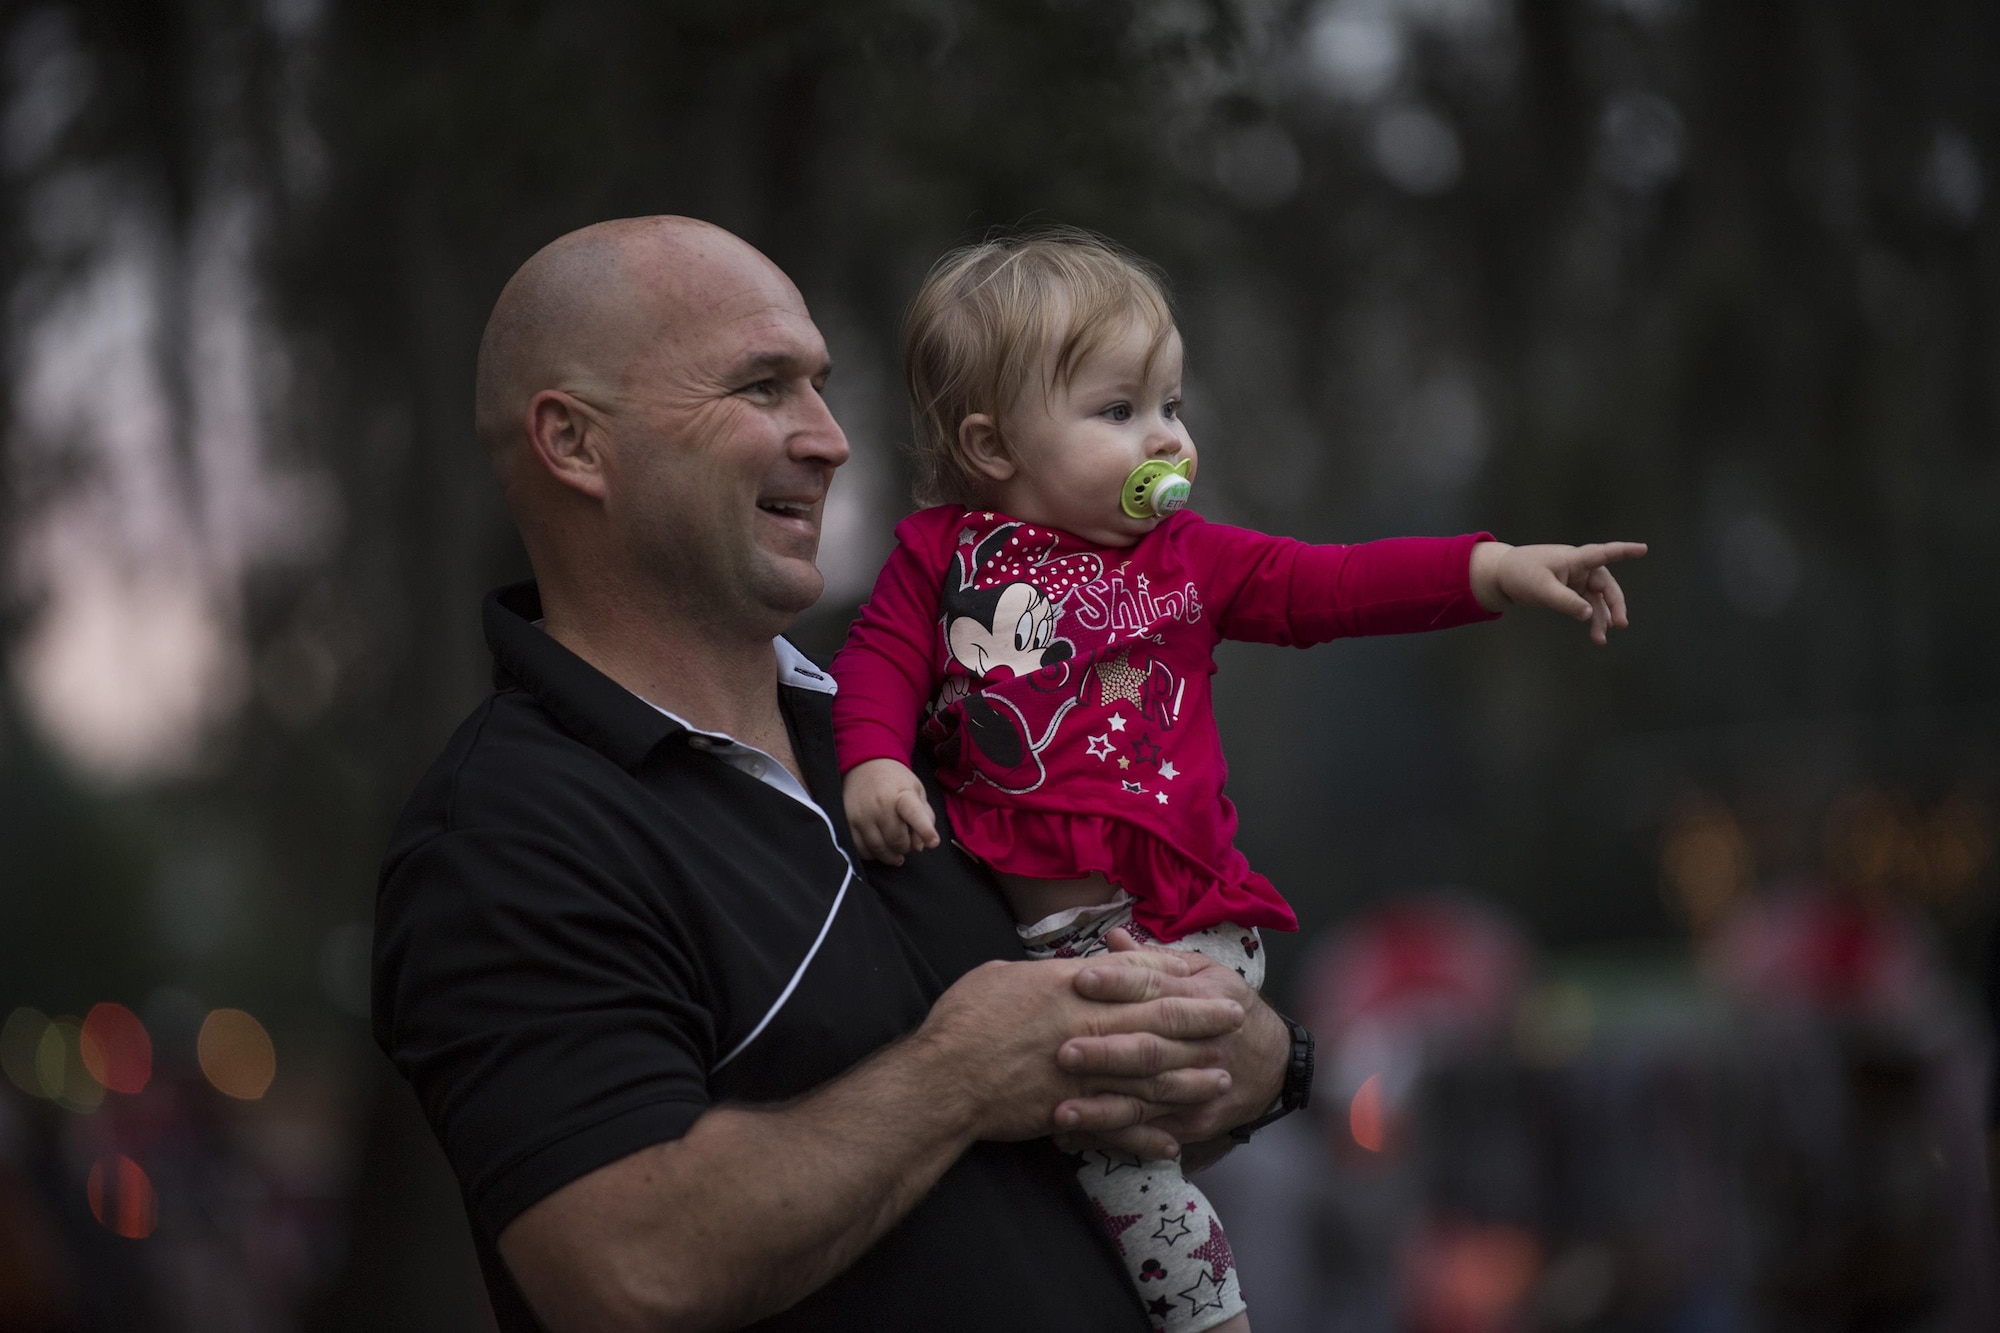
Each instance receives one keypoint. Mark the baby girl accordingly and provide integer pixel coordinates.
(1048, 629)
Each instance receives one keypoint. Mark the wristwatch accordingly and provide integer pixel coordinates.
(1298, 1083)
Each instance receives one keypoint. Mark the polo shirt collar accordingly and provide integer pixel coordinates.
(588, 704)
(800, 671)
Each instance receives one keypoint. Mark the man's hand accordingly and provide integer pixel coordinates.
(888, 811)
(1570, 580)
(1252, 1058)
(1137, 1040)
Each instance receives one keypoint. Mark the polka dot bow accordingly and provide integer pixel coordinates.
(1023, 553)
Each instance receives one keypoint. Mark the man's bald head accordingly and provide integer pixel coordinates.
(586, 305)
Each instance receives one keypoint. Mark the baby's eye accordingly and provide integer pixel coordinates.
(1119, 411)
(1172, 409)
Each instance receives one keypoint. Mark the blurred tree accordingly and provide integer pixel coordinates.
(1716, 275)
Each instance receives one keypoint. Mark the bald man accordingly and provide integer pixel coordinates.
(693, 1068)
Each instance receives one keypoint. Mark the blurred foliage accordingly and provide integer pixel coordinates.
(1716, 274)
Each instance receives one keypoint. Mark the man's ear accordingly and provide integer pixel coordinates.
(568, 441)
(979, 440)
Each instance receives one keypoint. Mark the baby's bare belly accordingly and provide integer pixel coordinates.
(1033, 899)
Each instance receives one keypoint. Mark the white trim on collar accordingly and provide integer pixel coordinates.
(795, 668)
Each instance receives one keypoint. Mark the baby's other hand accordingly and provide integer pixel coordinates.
(1572, 580)
(888, 811)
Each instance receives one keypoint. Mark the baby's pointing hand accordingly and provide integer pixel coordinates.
(1570, 580)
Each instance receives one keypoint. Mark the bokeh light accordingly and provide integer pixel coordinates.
(236, 1054)
(20, 1040)
(1473, 1277)
(116, 1048)
(121, 1197)
(1367, 1116)
(1706, 864)
(60, 1068)
(1881, 845)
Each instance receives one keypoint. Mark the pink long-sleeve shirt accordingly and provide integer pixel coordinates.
(1065, 686)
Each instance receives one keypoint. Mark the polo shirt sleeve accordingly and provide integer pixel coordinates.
(547, 1021)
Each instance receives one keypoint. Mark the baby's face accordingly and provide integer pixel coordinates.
(1073, 452)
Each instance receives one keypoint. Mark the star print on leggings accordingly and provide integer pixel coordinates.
(1116, 1225)
(1113, 1163)
(1159, 1307)
(1205, 1294)
(1215, 1250)
(1172, 1228)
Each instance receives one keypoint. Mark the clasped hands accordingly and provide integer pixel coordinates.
(1144, 1050)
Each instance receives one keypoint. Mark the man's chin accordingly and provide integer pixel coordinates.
(791, 587)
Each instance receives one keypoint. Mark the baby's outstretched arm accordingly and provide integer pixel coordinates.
(888, 811)
(1573, 580)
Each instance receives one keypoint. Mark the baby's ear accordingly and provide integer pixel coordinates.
(979, 440)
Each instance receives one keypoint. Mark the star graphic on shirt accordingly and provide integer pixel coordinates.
(1117, 721)
(1117, 678)
(1117, 1225)
(968, 536)
(1134, 787)
(1215, 1250)
(1172, 1227)
(1160, 796)
(1168, 771)
(1205, 1294)
(1123, 762)
(1099, 746)
(988, 516)
(1146, 750)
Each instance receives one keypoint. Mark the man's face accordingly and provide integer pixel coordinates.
(723, 448)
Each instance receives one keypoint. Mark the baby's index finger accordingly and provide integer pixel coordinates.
(1610, 553)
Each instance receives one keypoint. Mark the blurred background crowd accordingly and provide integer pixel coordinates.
(1653, 983)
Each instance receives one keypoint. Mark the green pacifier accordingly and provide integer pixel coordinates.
(1157, 488)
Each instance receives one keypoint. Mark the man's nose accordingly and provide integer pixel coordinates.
(819, 437)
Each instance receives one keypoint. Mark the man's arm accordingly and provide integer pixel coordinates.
(754, 1208)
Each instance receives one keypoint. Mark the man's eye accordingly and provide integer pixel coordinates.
(762, 388)
(1119, 411)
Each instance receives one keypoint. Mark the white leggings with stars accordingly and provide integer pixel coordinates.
(1172, 1243)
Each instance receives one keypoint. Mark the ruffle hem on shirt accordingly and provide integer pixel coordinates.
(1177, 894)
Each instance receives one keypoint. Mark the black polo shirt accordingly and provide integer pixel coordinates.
(592, 926)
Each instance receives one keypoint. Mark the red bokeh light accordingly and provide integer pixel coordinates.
(1367, 1117)
(116, 1049)
(121, 1197)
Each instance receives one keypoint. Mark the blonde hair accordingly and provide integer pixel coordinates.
(985, 321)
